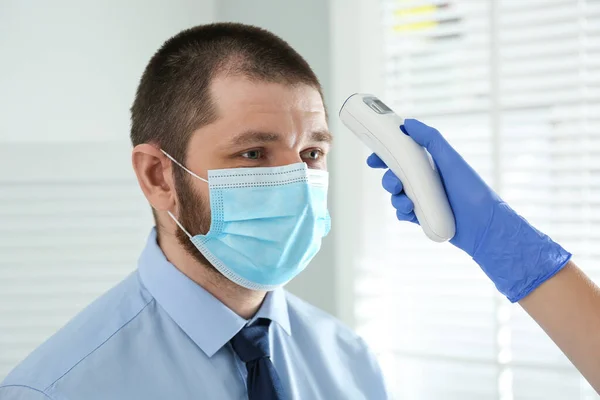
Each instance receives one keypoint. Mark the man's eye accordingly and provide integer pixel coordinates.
(252, 154)
(313, 154)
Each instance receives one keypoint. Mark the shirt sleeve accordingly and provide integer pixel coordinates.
(19, 392)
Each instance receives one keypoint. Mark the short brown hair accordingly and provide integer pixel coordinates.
(172, 99)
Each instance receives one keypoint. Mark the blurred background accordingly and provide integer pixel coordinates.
(513, 84)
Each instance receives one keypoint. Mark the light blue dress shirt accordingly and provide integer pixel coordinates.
(158, 335)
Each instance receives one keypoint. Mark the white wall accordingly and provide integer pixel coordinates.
(70, 68)
(354, 58)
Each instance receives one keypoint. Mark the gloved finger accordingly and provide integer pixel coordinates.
(391, 183)
(410, 217)
(375, 162)
(402, 203)
(428, 137)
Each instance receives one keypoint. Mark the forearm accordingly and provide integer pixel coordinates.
(567, 307)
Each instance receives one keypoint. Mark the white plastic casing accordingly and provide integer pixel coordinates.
(379, 128)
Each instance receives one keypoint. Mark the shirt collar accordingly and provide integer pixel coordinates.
(207, 321)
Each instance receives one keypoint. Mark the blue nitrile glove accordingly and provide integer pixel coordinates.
(514, 255)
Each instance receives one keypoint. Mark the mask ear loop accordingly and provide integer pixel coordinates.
(178, 224)
(184, 168)
(189, 172)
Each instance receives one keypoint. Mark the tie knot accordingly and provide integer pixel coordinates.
(252, 342)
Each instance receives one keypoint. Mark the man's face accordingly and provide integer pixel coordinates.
(259, 125)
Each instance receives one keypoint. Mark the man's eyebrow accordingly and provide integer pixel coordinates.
(254, 137)
(321, 136)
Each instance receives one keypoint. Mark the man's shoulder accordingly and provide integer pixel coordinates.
(327, 329)
(87, 333)
(322, 334)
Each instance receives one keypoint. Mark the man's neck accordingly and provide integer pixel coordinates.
(242, 301)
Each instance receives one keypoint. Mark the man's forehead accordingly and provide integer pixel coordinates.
(253, 112)
(239, 93)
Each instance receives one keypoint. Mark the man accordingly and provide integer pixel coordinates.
(230, 147)
(230, 141)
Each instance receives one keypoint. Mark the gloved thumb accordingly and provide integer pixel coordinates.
(428, 137)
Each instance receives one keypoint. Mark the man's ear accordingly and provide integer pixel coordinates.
(154, 174)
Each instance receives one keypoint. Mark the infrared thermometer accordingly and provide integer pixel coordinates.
(377, 126)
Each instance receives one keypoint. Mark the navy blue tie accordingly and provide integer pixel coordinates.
(252, 346)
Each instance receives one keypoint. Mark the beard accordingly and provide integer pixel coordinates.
(194, 216)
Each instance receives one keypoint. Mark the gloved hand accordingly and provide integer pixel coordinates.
(514, 255)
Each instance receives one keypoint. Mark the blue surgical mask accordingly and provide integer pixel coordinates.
(266, 223)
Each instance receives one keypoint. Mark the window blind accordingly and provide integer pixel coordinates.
(73, 224)
(515, 87)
